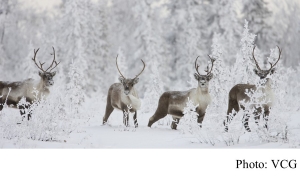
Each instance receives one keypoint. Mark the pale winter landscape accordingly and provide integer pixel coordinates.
(251, 42)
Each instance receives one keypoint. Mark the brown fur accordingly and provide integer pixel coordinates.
(237, 94)
(173, 102)
(24, 89)
(120, 95)
(117, 99)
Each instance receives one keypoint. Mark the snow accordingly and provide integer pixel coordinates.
(90, 133)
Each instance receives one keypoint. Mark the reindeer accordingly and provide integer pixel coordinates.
(13, 92)
(124, 97)
(173, 102)
(237, 94)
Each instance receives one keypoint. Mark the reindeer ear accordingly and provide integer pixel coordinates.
(53, 73)
(272, 71)
(196, 76)
(121, 79)
(41, 74)
(136, 80)
(210, 76)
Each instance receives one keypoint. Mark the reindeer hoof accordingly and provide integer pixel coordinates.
(136, 125)
(200, 125)
(174, 125)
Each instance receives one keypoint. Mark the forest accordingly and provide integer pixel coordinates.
(168, 35)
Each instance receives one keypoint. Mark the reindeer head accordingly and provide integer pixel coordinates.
(203, 80)
(128, 83)
(264, 73)
(46, 75)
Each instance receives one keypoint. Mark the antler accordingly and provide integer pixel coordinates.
(118, 67)
(208, 72)
(277, 59)
(54, 61)
(196, 65)
(41, 64)
(272, 65)
(255, 59)
(142, 70)
(212, 64)
(123, 75)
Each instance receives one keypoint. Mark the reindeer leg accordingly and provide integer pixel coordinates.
(174, 123)
(233, 107)
(135, 119)
(28, 108)
(246, 120)
(200, 119)
(257, 113)
(25, 110)
(266, 118)
(126, 112)
(22, 112)
(2, 101)
(201, 115)
(28, 113)
(176, 114)
(108, 111)
(161, 111)
(228, 120)
(125, 117)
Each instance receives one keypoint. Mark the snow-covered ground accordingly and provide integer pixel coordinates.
(90, 133)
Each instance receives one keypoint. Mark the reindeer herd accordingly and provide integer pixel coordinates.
(124, 97)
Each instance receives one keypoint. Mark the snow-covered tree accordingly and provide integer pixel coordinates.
(288, 23)
(4, 9)
(28, 67)
(220, 84)
(258, 14)
(121, 25)
(189, 120)
(16, 33)
(230, 29)
(184, 37)
(72, 35)
(153, 91)
(242, 71)
(74, 92)
(97, 47)
(190, 126)
(148, 41)
(85, 21)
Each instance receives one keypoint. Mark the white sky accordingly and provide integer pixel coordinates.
(42, 4)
